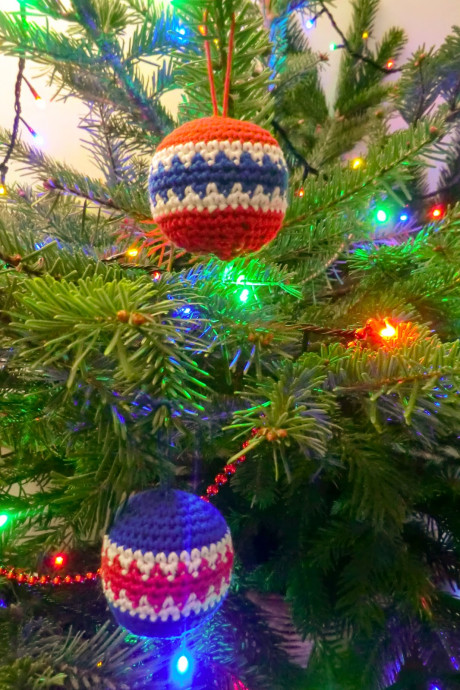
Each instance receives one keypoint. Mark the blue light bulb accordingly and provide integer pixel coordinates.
(310, 23)
(403, 217)
(182, 664)
(39, 140)
(182, 668)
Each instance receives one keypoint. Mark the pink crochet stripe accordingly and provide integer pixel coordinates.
(171, 587)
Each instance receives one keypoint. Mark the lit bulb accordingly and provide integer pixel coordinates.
(38, 139)
(182, 664)
(300, 192)
(332, 46)
(3, 519)
(58, 561)
(390, 63)
(132, 252)
(244, 295)
(310, 23)
(365, 35)
(388, 331)
(357, 163)
(381, 215)
(403, 217)
(436, 212)
(182, 668)
(2, 189)
(202, 29)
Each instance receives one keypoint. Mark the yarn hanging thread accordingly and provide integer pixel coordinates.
(218, 185)
(166, 563)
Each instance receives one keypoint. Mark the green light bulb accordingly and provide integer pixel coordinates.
(244, 295)
(3, 519)
(381, 216)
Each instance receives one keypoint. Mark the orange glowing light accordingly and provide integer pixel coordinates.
(202, 29)
(58, 561)
(436, 212)
(388, 331)
(390, 64)
(300, 192)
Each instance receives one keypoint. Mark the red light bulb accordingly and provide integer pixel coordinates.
(436, 212)
(59, 560)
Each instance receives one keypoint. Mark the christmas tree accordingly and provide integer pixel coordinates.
(308, 390)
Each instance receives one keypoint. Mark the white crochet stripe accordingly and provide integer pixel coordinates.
(210, 149)
(168, 562)
(169, 608)
(213, 200)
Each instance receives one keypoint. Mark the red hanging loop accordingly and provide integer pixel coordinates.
(207, 49)
(228, 73)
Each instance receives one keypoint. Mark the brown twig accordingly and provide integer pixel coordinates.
(15, 261)
(349, 49)
(108, 203)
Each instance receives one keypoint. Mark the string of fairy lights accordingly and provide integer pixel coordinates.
(374, 332)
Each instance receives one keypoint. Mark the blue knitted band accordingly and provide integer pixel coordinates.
(225, 173)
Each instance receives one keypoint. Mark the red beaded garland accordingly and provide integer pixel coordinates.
(32, 579)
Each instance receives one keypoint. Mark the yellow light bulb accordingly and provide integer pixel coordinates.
(357, 163)
(365, 35)
(2, 189)
(132, 252)
(388, 331)
(40, 103)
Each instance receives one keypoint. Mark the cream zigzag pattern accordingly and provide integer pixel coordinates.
(213, 200)
(169, 608)
(168, 563)
(210, 149)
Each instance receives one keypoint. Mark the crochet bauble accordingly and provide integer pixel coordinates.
(166, 563)
(218, 185)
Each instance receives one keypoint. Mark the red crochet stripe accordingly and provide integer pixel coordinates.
(219, 129)
(228, 233)
(157, 587)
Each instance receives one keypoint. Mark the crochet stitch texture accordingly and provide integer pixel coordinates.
(218, 185)
(166, 563)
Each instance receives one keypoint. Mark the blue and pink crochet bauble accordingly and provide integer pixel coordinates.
(166, 563)
(218, 185)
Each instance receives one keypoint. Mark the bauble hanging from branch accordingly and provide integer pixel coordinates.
(218, 185)
(166, 563)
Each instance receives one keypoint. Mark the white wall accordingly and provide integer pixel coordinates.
(424, 21)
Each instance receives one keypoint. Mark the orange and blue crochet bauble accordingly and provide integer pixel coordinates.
(218, 185)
